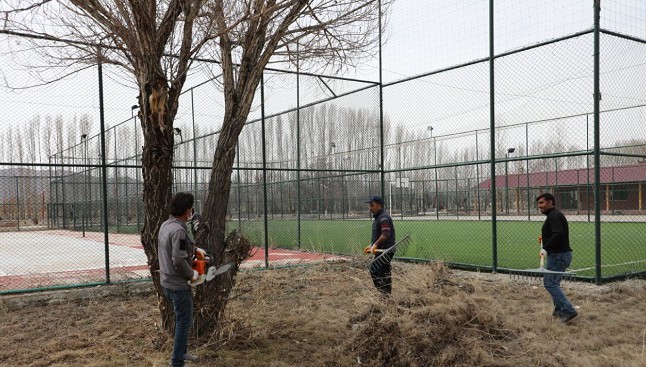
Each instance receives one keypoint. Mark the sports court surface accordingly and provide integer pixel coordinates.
(38, 259)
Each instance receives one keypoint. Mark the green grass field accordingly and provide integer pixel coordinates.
(467, 242)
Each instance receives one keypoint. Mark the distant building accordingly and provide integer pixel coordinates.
(622, 188)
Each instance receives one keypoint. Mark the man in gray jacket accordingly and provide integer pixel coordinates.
(175, 252)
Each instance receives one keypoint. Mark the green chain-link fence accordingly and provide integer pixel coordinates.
(423, 136)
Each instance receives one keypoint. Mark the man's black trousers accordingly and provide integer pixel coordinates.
(380, 272)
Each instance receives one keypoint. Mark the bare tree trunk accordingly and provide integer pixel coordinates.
(156, 170)
(157, 161)
(211, 299)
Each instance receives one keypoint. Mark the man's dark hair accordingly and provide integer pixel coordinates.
(181, 202)
(547, 196)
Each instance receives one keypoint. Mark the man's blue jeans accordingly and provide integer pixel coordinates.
(182, 301)
(552, 282)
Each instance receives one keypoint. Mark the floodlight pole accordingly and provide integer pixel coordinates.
(195, 148)
(85, 211)
(509, 151)
(506, 184)
(401, 193)
(437, 189)
(239, 187)
(529, 202)
(133, 108)
(478, 176)
(116, 180)
(17, 203)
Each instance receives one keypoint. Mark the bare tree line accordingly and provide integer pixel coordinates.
(41, 137)
(332, 137)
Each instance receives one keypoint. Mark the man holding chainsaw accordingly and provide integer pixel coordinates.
(555, 240)
(383, 237)
(175, 251)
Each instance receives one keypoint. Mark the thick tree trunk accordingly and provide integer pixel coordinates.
(157, 160)
(211, 300)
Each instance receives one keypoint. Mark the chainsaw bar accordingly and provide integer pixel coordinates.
(212, 272)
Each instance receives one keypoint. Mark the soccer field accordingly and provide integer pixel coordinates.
(623, 245)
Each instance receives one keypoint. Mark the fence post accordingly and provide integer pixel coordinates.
(492, 153)
(381, 112)
(597, 160)
(298, 148)
(104, 171)
(264, 166)
(116, 180)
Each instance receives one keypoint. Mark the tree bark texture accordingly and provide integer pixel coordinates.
(156, 115)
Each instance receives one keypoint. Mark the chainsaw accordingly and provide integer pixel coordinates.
(205, 272)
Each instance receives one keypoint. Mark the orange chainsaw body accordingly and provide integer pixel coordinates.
(200, 266)
(200, 263)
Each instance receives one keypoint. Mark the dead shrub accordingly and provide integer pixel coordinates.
(432, 321)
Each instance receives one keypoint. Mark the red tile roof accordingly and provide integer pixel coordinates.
(571, 177)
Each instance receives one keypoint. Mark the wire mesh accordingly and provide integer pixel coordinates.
(316, 147)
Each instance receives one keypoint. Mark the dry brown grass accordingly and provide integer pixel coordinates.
(330, 315)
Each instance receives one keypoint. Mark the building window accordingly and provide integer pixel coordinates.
(567, 199)
(619, 195)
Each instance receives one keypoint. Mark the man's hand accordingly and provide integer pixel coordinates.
(199, 253)
(540, 239)
(372, 249)
(197, 279)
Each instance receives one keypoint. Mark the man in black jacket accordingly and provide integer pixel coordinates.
(383, 237)
(555, 238)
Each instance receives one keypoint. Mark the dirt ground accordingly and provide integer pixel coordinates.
(330, 315)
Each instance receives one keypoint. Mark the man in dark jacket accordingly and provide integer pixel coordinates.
(555, 238)
(175, 252)
(383, 237)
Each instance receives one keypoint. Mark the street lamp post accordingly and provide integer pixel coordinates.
(178, 132)
(437, 198)
(401, 193)
(509, 151)
(85, 212)
(132, 115)
(195, 147)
